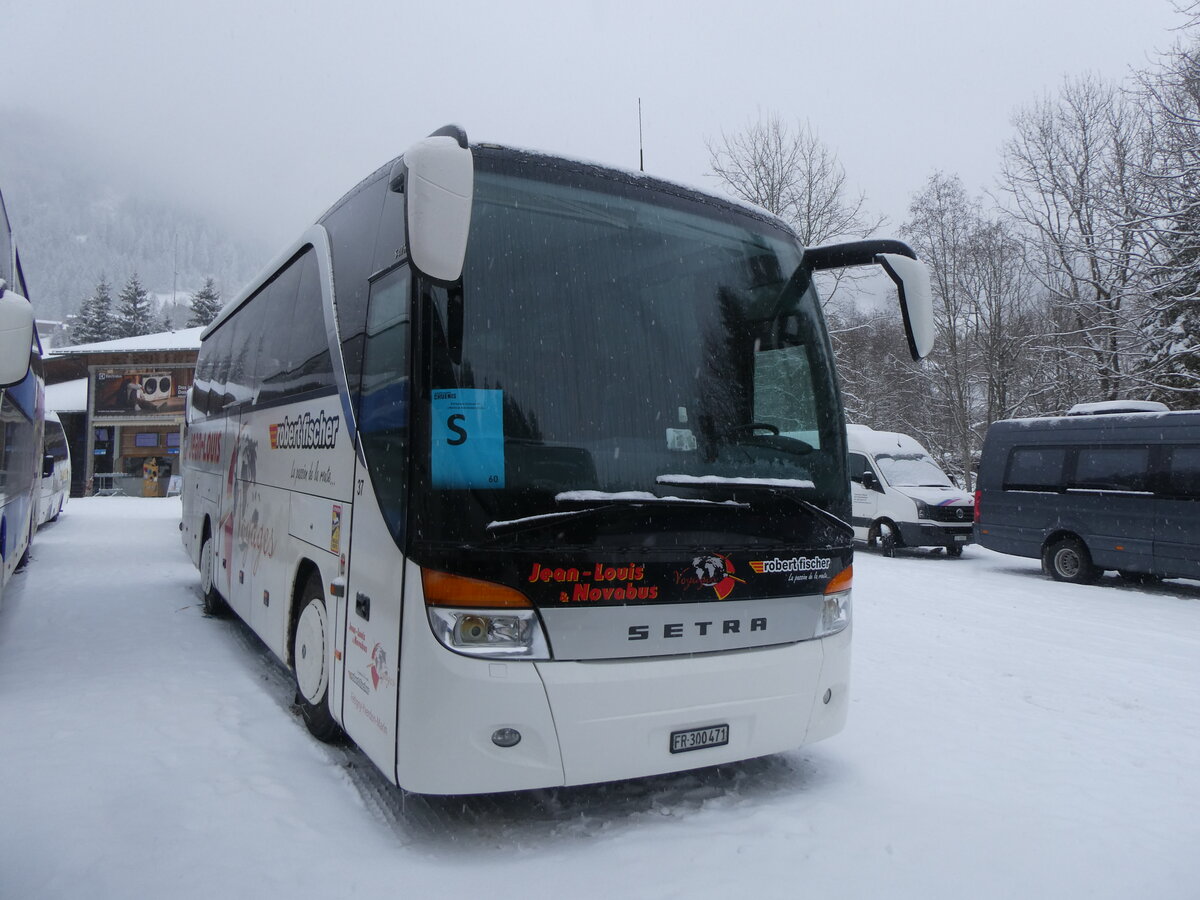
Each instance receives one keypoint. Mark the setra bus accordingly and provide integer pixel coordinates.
(534, 472)
(21, 409)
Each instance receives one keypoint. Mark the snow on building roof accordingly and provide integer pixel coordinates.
(183, 339)
(67, 396)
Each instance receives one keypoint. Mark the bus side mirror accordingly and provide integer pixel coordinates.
(47, 465)
(916, 300)
(903, 267)
(16, 336)
(437, 178)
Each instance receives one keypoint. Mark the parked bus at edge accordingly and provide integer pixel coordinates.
(901, 496)
(21, 399)
(56, 471)
(534, 472)
(1111, 486)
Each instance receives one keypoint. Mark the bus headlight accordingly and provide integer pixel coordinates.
(514, 634)
(480, 618)
(835, 611)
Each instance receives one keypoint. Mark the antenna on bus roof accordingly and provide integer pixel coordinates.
(641, 152)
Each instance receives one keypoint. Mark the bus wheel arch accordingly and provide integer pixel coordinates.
(1065, 557)
(308, 652)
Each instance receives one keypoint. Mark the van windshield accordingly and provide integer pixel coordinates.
(912, 470)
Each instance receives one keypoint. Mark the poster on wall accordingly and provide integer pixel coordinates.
(149, 392)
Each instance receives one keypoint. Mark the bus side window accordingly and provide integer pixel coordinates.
(200, 385)
(354, 230)
(271, 363)
(1183, 473)
(310, 367)
(1035, 469)
(384, 404)
(222, 347)
(1112, 468)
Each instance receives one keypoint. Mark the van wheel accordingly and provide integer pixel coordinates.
(1067, 559)
(309, 654)
(887, 539)
(954, 550)
(882, 535)
(213, 603)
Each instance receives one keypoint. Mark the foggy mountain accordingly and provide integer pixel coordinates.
(78, 216)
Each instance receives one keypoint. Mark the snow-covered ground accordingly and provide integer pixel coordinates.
(1010, 737)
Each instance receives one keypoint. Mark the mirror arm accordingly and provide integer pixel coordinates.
(854, 253)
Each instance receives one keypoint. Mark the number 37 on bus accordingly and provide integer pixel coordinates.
(534, 472)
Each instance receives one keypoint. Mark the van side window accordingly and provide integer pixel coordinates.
(1112, 469)
(858, 465)
(1183, 473)
(1035, 469)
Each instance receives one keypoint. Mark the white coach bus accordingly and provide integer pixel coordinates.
(21, 409)
(535, 473)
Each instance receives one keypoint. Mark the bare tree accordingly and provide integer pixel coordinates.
(1075, 174)
(1170, 92)
(793, 174)
(942, 222)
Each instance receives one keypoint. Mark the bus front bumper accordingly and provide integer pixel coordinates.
(586, 722)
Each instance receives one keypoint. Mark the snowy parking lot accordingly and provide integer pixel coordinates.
(1009, 736)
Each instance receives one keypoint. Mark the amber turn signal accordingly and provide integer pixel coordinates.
(840, 581)
(443, 589)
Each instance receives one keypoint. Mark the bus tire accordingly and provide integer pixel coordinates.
(1067, 559)
(954, 550)
(27, 554)
(213, 603)
(309, 655)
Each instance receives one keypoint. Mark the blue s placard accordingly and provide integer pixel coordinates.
(468, 439)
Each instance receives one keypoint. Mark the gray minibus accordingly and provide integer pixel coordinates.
(1094, 492)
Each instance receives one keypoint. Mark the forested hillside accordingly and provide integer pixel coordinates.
(78, 218)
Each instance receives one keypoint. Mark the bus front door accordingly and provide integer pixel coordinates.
(371, 656)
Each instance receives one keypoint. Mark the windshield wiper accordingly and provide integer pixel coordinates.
(788, 487)
(602, 502)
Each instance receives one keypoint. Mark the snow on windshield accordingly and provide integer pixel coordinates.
(912, 470)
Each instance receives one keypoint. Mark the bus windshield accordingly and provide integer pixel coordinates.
(618, 344)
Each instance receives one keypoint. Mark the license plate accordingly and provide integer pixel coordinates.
(961, 537)
(699, 738)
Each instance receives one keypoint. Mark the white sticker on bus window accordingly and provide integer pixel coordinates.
(468, 439)
(681, 439)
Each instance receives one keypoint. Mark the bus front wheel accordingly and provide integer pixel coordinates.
(1068, 559)
(309, 653)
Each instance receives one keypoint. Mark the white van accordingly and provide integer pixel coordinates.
(902, 498)
(56, 471)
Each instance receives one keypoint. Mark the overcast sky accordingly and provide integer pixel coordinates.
(269, 110)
